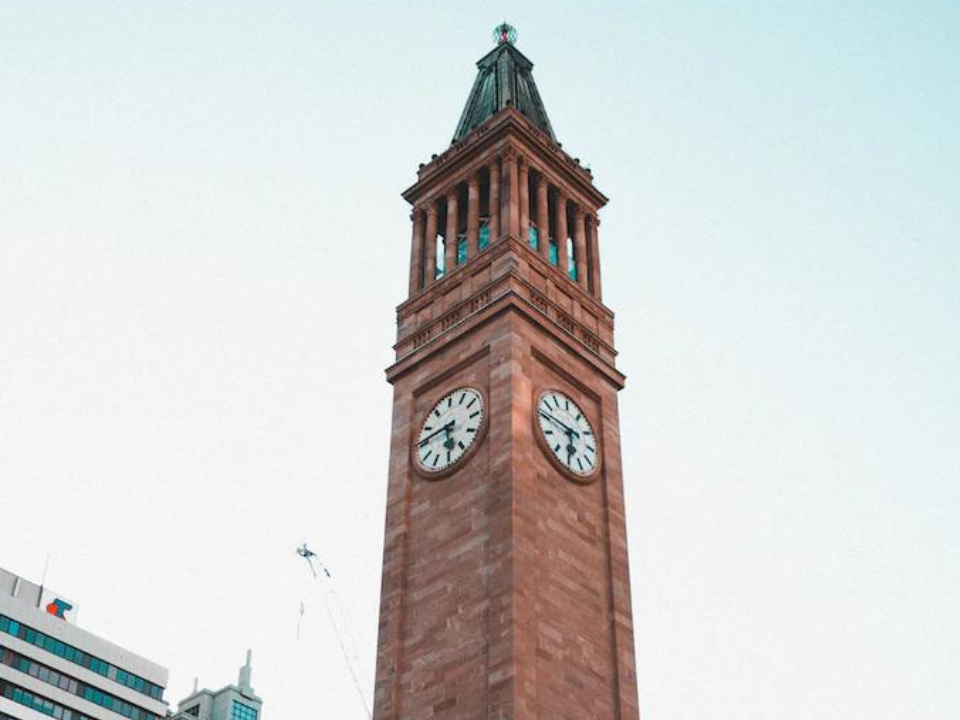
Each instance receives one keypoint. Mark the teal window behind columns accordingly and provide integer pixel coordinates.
(533, 237)
(571, 261)
(461, 250)
(554, 252)
(483, 241)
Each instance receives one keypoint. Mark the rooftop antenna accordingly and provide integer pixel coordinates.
(43, 579)
(245, 673)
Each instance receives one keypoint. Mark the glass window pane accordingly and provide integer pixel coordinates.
(439, 257)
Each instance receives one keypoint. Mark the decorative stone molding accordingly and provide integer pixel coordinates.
(419, 324)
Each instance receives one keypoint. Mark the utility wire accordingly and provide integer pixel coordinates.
(308, 555)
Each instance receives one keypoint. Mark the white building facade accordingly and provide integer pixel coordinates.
(50, 667)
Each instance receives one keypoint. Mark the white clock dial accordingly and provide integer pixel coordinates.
(449, 430)
(568, 433)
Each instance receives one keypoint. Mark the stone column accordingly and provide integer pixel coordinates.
(524, 198)
(450, 242)
(510, 198)
(543, 218)
(416, 251)
(580, 246)
(593, 226)
(561, 223)
(494, 199)
(473, 215)
(430, 247)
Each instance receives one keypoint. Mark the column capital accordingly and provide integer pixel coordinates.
(578, 211)
(431, 209)
(473, 181)
(511, 153)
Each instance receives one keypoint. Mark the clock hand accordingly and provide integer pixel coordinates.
(446, 428)
(571, 448)
(570, 430)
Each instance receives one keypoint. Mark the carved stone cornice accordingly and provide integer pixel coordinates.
(423, 321)
(506, 292)
(507, 128)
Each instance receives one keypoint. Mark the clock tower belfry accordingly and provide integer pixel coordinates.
(506, 592)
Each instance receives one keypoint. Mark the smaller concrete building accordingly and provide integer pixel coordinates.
(233, 702)
(50, 667)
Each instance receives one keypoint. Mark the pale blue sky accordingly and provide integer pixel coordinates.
(188, 191)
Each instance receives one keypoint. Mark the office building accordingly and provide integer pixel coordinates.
(49, 666)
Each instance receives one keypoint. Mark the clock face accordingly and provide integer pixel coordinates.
(449, 430)
(567, 432)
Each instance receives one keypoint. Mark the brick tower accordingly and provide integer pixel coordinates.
(505, 593)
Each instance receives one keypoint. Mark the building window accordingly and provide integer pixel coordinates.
(571, 261)
(195, 711)
(78, 657)
(554, 252)
(461, 250)
(38, 703)
(57, 679)
(239, 711)
(483, 242)
(439, 258)
(533, 237)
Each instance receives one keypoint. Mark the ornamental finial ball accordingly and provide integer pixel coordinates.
(505, 33)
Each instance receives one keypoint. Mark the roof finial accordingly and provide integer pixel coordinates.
(505, 34)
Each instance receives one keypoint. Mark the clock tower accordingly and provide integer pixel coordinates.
(506, 593)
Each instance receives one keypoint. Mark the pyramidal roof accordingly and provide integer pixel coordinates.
(505, 80)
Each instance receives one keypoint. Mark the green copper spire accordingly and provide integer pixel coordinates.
(505, 80)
